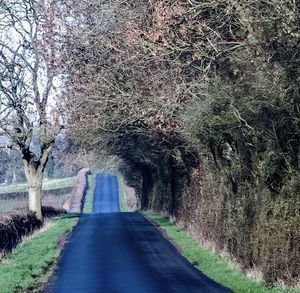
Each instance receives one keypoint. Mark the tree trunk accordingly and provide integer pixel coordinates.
(34, 182)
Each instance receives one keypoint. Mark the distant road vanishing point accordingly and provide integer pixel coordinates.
(114, 252)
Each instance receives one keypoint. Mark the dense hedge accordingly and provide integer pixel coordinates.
(14, 226)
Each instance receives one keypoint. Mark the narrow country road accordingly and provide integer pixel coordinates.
(114, 252)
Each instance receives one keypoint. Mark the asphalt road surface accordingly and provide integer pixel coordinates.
(114, 252)
(106, 196)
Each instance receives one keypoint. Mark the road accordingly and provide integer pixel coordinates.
(106, 195)
(114, 252)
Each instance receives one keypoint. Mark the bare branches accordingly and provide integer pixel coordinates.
(28, 64)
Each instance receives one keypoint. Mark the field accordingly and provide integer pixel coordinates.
(47, 185)
(55, 193)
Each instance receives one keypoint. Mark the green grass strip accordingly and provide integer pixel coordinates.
(27, 267)
(211, 264)
(122, 199)
(89, 197)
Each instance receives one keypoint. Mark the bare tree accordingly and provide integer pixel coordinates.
(29, 63)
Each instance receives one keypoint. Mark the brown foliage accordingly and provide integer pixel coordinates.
(168, 84)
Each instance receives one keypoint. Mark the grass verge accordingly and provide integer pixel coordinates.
(211, 264)
(122, 199)
(28, 266)
(47, 185)
(89, 197)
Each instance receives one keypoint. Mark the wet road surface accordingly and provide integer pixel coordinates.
(114, 252)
